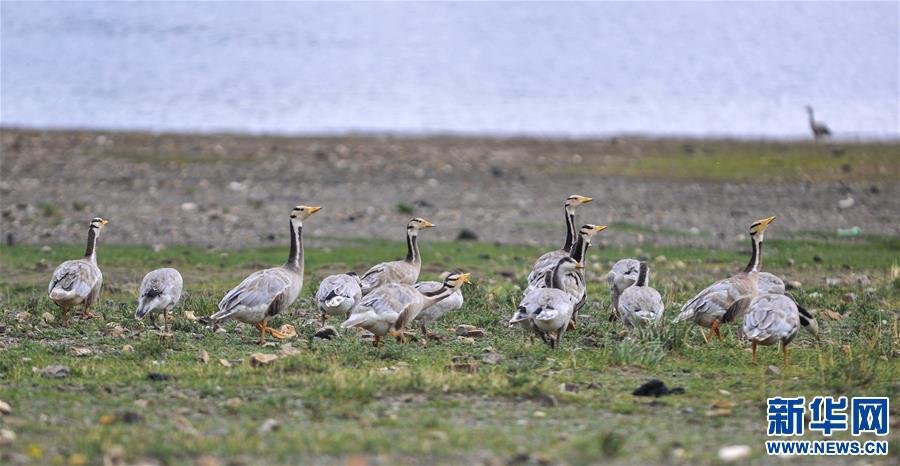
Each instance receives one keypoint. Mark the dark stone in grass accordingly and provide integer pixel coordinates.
(656, 388)
(326, 333)
(817, 258)
(131, 417)
(157, 377)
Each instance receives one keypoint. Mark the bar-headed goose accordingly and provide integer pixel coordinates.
(640, 303)
(266, 293)
(549, 310)
(405, 271)
(337, 294)
(78, 281)
(160, 292)
(709, 307)
(776, 318)
(549, 260)
(432, 313)
(389, 308)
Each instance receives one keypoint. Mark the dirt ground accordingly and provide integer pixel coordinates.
(235, 191)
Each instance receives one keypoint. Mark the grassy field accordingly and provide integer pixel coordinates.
(343, 401)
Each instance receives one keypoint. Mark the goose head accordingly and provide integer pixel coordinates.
(758, 228)
(576, 200)
(418, 224)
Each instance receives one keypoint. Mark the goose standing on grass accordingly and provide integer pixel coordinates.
(818, 128)
(623, 274)
(549, 310)
(160, 291)
(405, 271)
(78, 281)
(709, 307)
(388, 309)
(268, 292)
(432, 313)
(337, 294)
(549, 260)
(640, 303)
(774, 318)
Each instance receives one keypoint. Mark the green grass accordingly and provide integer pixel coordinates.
(339, 399)
(756, 161)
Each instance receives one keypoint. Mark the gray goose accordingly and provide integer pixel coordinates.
(78, 281)
(640, 303)
(268, 292)
(548, 260)
(731, 295)
(818, 128)
(404, 271)
(160, 291)
(337, 294)
(776, 318)
(550, 309)
(389, 308)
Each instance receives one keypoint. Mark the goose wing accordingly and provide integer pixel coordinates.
(770, 283)
(389, 272)
(712, 301)
(544, 264)
(162, 282)
(75, 278)
(770, 317)
(337, 285)
(261, 289)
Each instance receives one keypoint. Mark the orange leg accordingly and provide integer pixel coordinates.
(377, 341)
(754, 352)
(262, 332)
(715, 327)
(87, 314)
(571, 325)
(712, 331)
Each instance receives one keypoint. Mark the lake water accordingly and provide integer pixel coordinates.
(697, 69)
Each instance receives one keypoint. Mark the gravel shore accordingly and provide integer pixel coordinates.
(231, 191)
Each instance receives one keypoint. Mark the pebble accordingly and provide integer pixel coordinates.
(189, 206)
(849, 297)
(773, 370)
(47, 318)
(492, 358)
(262, 359)
(733, 453)
(833, 282)
(287, 349)
(846, 203)
(269, 425)
(7, 436)
(203, 356)
(54, 371)
(793, 285)
(5, 408)
(80, 352)
(127, 349)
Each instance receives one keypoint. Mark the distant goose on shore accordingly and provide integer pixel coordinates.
(78, 281)
(266, 293)
(160, 291)
(404, 271)
(819, 129)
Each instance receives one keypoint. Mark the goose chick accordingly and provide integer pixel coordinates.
(623, 274)
(773, 318)
(78, 281)
(640, 303)
(548, 260)
(551, 309)
(389, 308)
(728, 299)
(337, 294)
(434, 312)
(405, 271)
(266, 293)
(160, 291)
